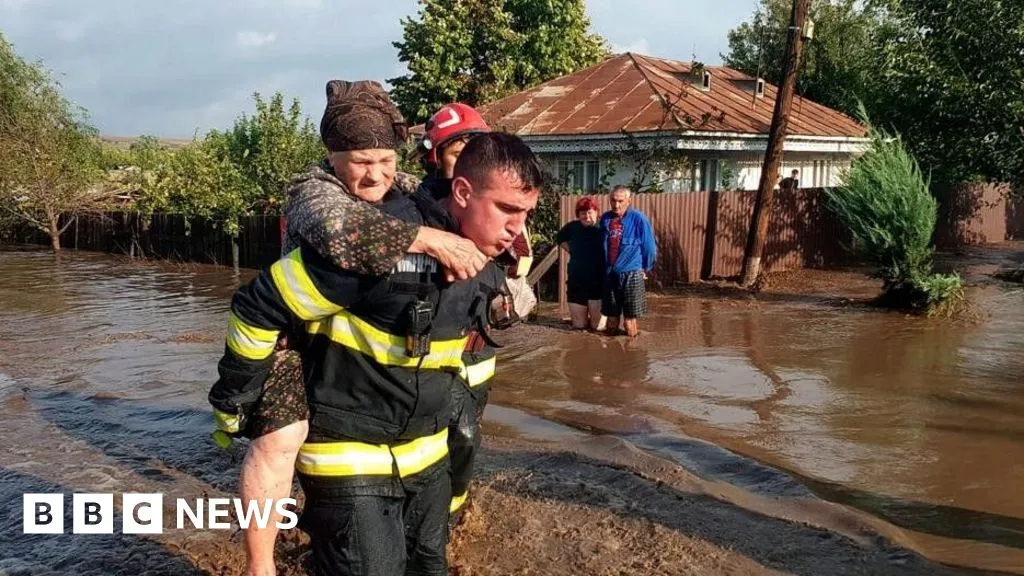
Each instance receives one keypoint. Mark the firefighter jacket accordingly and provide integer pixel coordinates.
(365, 382)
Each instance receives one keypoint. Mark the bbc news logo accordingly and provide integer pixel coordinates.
(144, 513)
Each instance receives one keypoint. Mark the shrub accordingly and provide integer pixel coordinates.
(885, 202)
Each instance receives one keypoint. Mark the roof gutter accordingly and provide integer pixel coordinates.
(695, 140)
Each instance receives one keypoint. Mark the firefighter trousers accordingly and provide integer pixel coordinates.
(380, 526)
(464, 443)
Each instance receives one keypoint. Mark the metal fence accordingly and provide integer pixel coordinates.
(168, 236)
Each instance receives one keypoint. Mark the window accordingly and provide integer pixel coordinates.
(708, 175)
(697, 176)
(760, 88)
(580, 174)
(706, 84)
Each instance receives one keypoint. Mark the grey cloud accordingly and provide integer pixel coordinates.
(172, 68)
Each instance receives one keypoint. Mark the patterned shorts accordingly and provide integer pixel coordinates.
(625, 294)
(284, 396)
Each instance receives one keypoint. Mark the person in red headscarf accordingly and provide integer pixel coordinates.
(581, 238)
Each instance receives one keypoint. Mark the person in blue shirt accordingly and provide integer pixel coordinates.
(630, 251)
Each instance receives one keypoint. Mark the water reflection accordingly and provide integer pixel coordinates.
(915, 421)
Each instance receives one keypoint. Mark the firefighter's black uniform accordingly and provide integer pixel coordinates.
(470, 400)
(380, 361)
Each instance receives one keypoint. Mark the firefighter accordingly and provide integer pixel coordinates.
(330, 207)
(445, 136)
(380, 360)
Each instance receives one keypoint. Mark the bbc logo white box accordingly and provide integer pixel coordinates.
(142, 513)
(43, 513)
(92, 513)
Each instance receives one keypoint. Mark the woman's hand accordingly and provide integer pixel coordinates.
(460, 257)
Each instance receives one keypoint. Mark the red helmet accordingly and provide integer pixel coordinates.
(448, 123)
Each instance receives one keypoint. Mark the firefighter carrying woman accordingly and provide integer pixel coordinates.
(376, 402)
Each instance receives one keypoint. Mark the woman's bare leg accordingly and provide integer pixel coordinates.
(267, 473)
(597, 320)
(578, 312)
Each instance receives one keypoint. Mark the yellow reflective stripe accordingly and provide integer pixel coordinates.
(344, 459)
(523, 266)
(226, 422)
(249, 341)
(479, 373)
(360, 459)
(298, 290)
(457, 502)
(416, 456)
(388, 349)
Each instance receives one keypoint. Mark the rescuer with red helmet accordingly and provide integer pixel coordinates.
(445, 135)
(447, 132)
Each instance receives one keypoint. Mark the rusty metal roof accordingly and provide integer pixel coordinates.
(639, 93)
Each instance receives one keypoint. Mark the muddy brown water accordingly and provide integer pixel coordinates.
(105, 365)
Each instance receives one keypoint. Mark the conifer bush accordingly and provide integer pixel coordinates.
(885, 202)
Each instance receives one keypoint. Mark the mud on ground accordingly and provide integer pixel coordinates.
(602, 507)
(545, 510)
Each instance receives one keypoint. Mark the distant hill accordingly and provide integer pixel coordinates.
(124, 142)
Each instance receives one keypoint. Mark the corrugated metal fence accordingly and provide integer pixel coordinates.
(979, 214)
(703, 235)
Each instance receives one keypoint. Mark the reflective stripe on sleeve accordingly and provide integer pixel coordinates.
(249, 341)
(297, 288)
(479, 373)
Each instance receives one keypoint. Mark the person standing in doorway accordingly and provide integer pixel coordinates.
(630, 252)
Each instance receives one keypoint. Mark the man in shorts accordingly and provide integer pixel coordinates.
(630, 251)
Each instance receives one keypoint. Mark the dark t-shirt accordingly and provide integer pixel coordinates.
(586, 261)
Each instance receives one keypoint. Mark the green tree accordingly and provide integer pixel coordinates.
(476, 51)
(50, 157)
(269, 147)
(953, 84)
(200, 180)
(556, 40)
(232, 173)
(839, 63)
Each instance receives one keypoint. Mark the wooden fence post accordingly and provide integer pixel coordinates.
(234, 252)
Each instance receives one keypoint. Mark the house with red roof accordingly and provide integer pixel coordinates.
(597, 124)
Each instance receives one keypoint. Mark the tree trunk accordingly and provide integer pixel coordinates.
(773, 154)
(53, 221)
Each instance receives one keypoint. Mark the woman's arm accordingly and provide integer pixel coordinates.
(355, 236)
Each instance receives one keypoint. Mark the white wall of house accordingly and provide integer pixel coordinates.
(706, 170)
(585, 171)
(817, 170)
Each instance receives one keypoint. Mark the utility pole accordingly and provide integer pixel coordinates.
(776, 135)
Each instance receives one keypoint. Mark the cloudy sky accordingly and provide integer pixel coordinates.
(175, 67)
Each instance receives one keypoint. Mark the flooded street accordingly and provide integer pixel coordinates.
(919, 425)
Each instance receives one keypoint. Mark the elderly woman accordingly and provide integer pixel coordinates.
(581, 238)
(330, 207)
